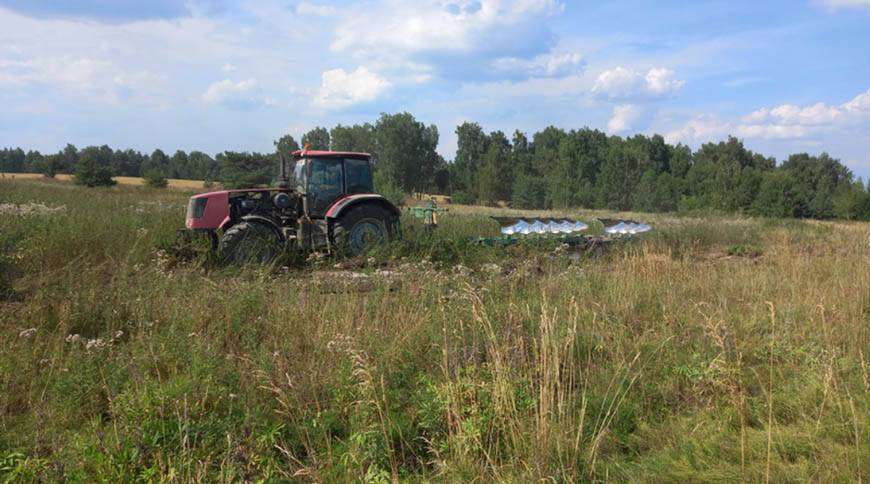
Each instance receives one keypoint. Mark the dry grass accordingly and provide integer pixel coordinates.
(683, 357)
(122, 180)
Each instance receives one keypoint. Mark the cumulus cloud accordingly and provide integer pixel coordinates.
(546, 65)
(240, 95)
(625, 83)
(861, 103)
(701, 128)
(623, 117)
(787, 121)
(457, 39)
(340, 89)
(789, 114)
(771, 131)
(436, 24)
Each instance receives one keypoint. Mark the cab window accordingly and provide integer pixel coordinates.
(324, 183)
(358, 176)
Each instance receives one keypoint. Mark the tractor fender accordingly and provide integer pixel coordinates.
(264, 221)
(341, 206)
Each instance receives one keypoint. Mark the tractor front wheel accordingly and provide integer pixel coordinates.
(362, 227)
(249, 242)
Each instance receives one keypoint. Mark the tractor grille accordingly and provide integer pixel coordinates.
(196, 208)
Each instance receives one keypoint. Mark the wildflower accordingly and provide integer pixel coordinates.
(95, 344)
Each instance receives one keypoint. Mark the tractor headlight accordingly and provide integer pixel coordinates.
(196, 207)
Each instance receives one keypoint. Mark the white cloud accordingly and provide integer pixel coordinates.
(861, 103)
(661, 81)
(623, 117)
(461, 37)
(546, 65)
(228, 67)
(837, 4)
(235, 95)
(625, 83)
(699, 129)
(789, 114)
(787, 121)
(80, 73)
(770, 131)
(309, 9)
(340, 89)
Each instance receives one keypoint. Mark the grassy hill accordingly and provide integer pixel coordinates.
(719, 348)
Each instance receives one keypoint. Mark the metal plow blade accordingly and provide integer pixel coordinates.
(627, 228)
(543, 226)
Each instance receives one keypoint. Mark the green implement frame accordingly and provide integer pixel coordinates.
(428, 212)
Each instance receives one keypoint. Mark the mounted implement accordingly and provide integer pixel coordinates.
(324, 200)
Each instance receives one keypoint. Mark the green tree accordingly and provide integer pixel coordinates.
(70, 158)
(495, 176)
(574, 174)
(179, 166)
(717, 177)
(406, 151)
(158, 161)
(52, 165)
(127, 162)
(316, 139)
(12, 160)
(818, 178)
(621, 173)
(359, 138)
(94, 167)
(852, 201)
(777, 195)
(244, 170)
(471, 146)
(33, 161)
(286, 145)
(529, 191)
(202, 166)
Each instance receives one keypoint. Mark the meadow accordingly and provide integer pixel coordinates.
(714, 348)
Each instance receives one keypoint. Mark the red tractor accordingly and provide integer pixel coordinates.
(323, 200)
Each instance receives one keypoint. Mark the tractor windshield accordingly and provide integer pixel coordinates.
(325, 182)
(298, 180)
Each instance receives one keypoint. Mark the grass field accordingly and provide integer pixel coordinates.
(122, 180)
(711, 349)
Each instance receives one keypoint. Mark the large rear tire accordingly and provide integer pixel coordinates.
(363, 227)
(249, 243)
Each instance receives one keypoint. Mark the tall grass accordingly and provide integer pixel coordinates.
(675, 358)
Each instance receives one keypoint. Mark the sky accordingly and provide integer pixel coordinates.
(215, 75)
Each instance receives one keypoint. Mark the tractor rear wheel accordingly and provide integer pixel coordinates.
(362, 227)
(249, 243)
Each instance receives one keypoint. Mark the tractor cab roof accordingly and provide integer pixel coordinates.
(337, 154)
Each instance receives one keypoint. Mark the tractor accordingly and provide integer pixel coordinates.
(323, 201)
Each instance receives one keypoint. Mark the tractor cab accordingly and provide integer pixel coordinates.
(324, 177)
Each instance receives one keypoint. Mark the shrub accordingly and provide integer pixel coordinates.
(93, 167)
(155, 179)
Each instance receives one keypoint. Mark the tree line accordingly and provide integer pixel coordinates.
(554, 168)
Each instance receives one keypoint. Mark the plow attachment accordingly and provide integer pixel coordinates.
(564, 231)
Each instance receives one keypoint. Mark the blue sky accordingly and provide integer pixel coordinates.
(219, 74)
